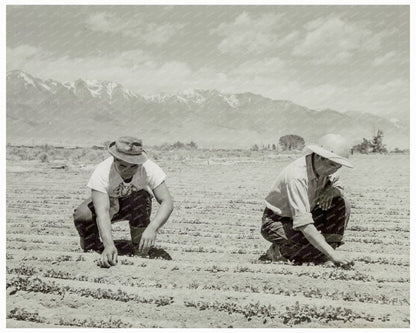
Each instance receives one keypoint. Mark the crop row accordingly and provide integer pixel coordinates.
(336, 274)
(293, 315)
(219, 247)
(186, 224)
(399, 241)
(191, 241)
(33, 316)
(314, 292)
(394, 261)
(184, 247)
(396, 228)
(90, 322)
(37, 285)
(333, 274)
(23, 314)
(383, 261)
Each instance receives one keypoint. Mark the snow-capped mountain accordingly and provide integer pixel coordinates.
(20, 83)
(87, 112)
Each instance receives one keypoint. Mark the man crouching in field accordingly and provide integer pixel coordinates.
(121, 189)
(306, 213)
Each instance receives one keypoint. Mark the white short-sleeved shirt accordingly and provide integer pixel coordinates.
(296, 190)
(106, 179)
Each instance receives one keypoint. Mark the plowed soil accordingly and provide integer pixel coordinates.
(214, 279)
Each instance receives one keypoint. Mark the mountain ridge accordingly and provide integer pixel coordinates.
(88, 112)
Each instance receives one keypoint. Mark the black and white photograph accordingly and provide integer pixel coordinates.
(207, 165)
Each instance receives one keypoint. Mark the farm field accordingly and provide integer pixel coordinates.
(213, 237)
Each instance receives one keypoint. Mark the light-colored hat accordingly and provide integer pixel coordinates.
(128, 149)
(333, 147)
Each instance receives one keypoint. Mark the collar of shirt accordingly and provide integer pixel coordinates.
(119, 178)
(310, 169)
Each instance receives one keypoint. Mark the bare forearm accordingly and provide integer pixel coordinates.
(162, 215)
(337, 192)
(104, 227)
(334, 191)
(317, 240)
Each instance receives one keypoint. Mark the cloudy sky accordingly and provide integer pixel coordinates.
(347, 58)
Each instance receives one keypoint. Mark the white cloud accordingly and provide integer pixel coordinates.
(105, 22)
(15, 56)
(385, 90)
(264, 67)
(22, 56)
(387, 58)
(133, 58)
(139, 71)
(333, 40)
(150, 33)
(288, 39)
(134, 69)
(323, 96)
(159, 34)
(249, 35)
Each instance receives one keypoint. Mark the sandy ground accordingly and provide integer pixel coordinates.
(214, 279)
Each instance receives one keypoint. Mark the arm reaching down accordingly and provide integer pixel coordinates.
(101, 203)
(164, 198)
(318, 241)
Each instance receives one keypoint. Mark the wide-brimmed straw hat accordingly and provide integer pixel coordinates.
(333, 147)
(128, 149)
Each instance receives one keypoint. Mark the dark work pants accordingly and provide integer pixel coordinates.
(293, 244)
(136, 208)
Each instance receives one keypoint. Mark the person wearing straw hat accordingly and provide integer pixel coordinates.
(306, 212)
(122, 187)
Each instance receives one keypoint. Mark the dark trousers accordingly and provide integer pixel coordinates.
(293, 244)
(136, 208)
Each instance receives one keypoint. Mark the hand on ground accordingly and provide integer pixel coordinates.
(148, 239)
(342, 260)
(109, 256)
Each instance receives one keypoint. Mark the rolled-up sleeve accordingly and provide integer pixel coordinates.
(155, 175)
(297, 193)
(98, 180)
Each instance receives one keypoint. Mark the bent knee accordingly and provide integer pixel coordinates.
(83, 213)
(78, 216)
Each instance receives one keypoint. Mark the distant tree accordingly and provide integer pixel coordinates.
(255, 147)
(273, 146)
(45, 147)
(371, 146)
(291, 142)
(398, 150)
(178, 145)
(377, 143)
(364, 147)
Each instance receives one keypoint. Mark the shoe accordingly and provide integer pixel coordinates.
(157, 253)
(153, 253)
(273, 254)
(264, 257)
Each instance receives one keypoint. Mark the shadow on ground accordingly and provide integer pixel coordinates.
(125, 248)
